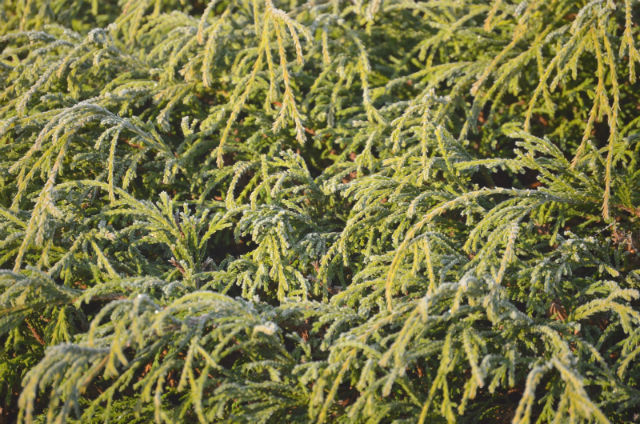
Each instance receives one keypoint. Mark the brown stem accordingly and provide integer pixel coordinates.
(35, 333)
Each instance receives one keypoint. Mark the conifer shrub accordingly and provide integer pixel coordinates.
(347, 211)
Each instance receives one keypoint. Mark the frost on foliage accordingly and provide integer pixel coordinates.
(319, 211)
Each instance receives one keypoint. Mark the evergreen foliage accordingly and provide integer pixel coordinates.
(320, 211)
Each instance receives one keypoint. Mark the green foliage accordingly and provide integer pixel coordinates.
(322, 211)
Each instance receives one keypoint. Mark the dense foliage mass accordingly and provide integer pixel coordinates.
(325, 211)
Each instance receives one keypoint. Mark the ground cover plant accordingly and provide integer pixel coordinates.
(283, 211)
